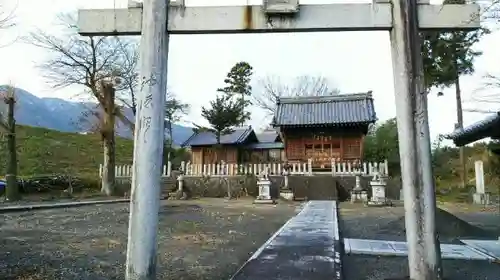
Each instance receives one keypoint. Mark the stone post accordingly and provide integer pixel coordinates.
(180, 179)
(480, 196)
(358, 183)
(182, 168)
(264, 186)
(285, 178)
(286, 192)
(357, 193)
(378, 192)
(286, 173)
(479, 176)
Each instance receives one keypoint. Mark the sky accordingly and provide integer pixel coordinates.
(197, 64)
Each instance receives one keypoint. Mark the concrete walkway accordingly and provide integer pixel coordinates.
(307, 247)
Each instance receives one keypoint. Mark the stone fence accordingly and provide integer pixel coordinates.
(319, 187)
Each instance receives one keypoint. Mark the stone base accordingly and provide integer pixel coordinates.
(481, 198)
(359, 196)
(406, 278)
(178, 195)
(264, 201)
(379, 203)
(287, 195)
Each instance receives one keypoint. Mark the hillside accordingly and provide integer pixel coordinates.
(64, 115)
(43, 151)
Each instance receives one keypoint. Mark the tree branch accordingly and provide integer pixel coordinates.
(7, 21)
(87, 61)
(272, 88)
(490, 90)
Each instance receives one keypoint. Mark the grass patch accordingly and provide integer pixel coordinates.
(44, 151)
(454, 194)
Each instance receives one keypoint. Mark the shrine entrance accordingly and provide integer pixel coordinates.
(155, 20)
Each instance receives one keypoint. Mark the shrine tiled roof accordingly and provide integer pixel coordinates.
(269, 136)
(265, 146)
(207, 138)
(489, 127)
(325, 110)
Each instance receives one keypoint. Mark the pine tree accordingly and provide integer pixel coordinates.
(237, 83)
(446, 56)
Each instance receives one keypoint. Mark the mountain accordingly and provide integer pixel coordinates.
(63, 115)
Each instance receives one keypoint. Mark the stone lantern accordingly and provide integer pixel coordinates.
(264, 187)
(358, 194)
(378, 185)
(286, 192)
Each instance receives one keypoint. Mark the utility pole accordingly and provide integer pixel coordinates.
(460, 123)
(414, 145)
(148, 147)
(12, 190)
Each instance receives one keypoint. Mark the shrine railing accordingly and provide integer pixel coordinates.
(336, 168)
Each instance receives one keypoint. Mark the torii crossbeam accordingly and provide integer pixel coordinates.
(156, 19)
(253, 19)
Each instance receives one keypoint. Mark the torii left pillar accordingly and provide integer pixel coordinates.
(148, 145)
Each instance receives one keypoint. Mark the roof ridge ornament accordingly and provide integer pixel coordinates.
(134, 4)
(325, 98)
(281, 7)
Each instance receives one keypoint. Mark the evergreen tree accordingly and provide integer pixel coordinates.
(223, 114)
(237, 83)
(446, 56)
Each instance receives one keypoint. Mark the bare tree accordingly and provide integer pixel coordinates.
(491, 10)
(6, 18)
(490, 91)
(273, 88)
(92, 119)
(99, 64)
(174, 110)
(6, 21)
(129, 77)
(487, 93)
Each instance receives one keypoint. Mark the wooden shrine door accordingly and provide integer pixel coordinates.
(321, 149)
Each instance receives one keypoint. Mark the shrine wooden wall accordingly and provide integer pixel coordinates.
(321, 145)
(265, 156)
(209, 154)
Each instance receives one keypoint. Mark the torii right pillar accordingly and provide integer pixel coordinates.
(424, 254)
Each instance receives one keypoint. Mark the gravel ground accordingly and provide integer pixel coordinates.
(199, 239)
(487, 217)
(382, 223)
(55, 197)
(203, 239)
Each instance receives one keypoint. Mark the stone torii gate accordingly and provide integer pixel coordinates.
(156, 19)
